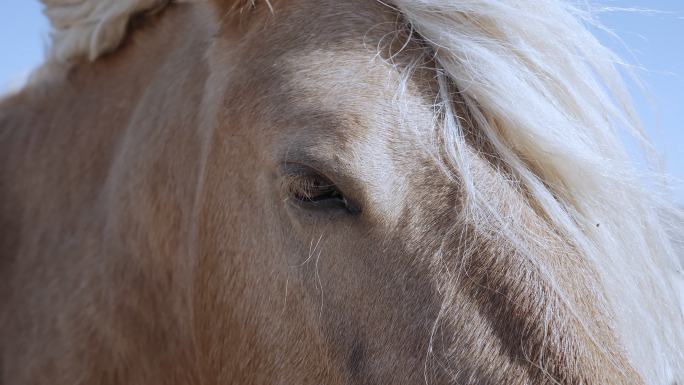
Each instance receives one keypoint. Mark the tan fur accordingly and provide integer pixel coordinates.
(145, 236)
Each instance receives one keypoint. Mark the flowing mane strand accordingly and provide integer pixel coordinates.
(550, 100)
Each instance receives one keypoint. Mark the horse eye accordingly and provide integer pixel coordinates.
(309, 189)
(315, 189)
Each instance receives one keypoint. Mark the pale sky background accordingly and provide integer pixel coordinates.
(655, 39)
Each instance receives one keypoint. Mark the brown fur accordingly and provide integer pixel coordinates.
(145, 237)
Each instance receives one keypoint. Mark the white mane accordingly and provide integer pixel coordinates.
(551, 101)
(89, 28)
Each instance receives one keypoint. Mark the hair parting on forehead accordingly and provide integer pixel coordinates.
(551, 103)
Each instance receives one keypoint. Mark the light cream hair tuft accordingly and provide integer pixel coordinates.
(90, 28)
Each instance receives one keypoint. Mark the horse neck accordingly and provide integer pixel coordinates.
(97, 162)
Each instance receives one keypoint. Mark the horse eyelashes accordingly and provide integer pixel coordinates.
(309, 189)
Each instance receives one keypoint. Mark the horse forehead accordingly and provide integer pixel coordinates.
(339, 49)
(345, 80)
(305, 83)
(360, 99)
(342, 57)
(328, 17)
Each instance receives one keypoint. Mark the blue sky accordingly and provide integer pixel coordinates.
(655, 41)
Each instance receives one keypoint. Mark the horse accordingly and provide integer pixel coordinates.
(331, 192)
